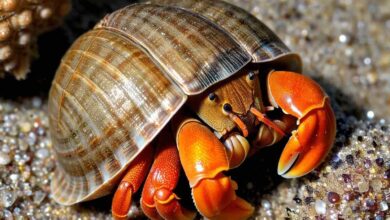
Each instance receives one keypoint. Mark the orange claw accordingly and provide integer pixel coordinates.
(130, 183)
(204, 159)
(304, 99)
(158, 199)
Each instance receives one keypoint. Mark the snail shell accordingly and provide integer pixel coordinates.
(121, 83)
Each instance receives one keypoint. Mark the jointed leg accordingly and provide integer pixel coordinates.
(158, 199)
(131, 182)
(267, 136)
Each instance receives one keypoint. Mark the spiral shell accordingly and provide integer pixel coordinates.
(122, 82)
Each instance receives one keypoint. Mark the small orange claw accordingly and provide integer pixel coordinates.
(304, 99)
(204, 159)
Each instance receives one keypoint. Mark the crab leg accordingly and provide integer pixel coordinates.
(204, 160)
(267, 136)
(304, 99)
(158, 199)
(130, 183)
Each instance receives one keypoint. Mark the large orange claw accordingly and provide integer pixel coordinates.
(204, 159)
(304, 99)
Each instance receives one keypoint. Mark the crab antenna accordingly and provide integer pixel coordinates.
(261, 117)
(240, 124)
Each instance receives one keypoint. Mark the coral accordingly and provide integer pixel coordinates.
(21, 21)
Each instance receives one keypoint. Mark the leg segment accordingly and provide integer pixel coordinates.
(131, 182)
(204, 159)
(158, 199)
(268, 136)
(237, 149)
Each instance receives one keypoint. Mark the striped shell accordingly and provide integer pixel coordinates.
(121, 83)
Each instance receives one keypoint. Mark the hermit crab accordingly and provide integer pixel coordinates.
(169, 84)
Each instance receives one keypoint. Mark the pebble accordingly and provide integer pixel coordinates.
(376, 185)
(383, 206)
(363, 186)
(336, 162)
(265, 204)
(320, 207)
(387, 174)
(370, 115)
(346, 178)
(297, 200)
(370, 205)
(23, 145)
(37, 102)
(14, 177)
(4, 158)
(42, 153)
(309, 200)
(367, 163)
(378, 217)
(333, 197)
(379, 161)
(361, 183)
(32, 138)
(7, 215)
(349, 196)
(349, 159)
(25, 127)
(39, 196)
(7, 197)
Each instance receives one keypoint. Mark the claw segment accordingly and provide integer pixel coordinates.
(201, 153)
(164, 196)
(215, 199)
(130, 183)
(158, 199)
(311, 143)
(173, 210)
(304, 99)
(204, 158)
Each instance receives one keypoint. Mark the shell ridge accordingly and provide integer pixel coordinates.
(128, 87)
(74, 102)
(144, 50)
(244, 59)
(76, 188)
(108, 104)
(251, 33)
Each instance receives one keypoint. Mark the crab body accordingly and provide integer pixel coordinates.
(164, 85)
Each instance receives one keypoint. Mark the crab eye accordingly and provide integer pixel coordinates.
(251, 76)
(212, 96)
(227, 107)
